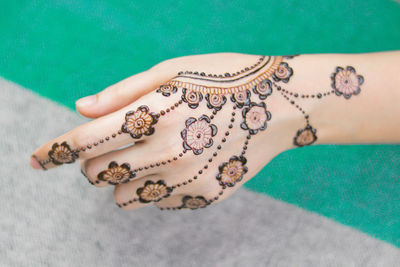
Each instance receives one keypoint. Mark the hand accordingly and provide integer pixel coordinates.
(190, 131)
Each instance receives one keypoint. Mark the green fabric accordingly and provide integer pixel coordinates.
(68, 49)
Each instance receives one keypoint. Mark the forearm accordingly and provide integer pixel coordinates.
(370, 115)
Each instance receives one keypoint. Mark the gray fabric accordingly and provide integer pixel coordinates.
(56, 218)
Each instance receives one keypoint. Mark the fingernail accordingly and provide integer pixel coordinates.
(35, 163)
(87, 101)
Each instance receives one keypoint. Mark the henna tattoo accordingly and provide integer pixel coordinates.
(241, 98)
(153, 192)
(232, 171)
(255, 117)
(139, 122)
(116, 174)
(305, 137)
(249, 98)
(227, 77)
(283, 73)
(215, 101)
(263, 89)
(198, 134)
(191, 97)
(346, 82)
(167, 90)
(60, 154)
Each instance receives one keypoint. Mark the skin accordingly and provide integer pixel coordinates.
(372, 116)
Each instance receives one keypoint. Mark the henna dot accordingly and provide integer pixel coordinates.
(180, 155)
(205, 167)
(169, 161)
(140, 169)
(248, 137)
(296, 95)
(243, 152)
(158, 164)
(200, 172)
(232, 120)
(172, 107)
(151, 165)
(291, 93)
(146, 167)
(227, 133)
(196, 73)
(221, 192)
(234, 107)
(324, 94)
(246, 143)
(95, 144)
(173, 187)
(190, 180)
(210, 160)
(230, 126)
(178, 185)
(219, 147)
(292, 102)
(167, 110)
(202, 74)
(175, 158)
(214, 112)
(124, 204)
(89, 146)
(97, 182)
(195, 177)
(83, 149)
(101, 141)
(163, 163)
(245, 148)
(233, 113)
(184, 183)
(306, 116)
(130, 201)
(319, 95)
(162, 112)
(312, 96)
(113, 135)
(212, 117)
(180, 101)
(220, 76)
(216, 198)
(107, 138)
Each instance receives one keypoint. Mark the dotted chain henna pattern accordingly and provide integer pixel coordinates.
(267, 75)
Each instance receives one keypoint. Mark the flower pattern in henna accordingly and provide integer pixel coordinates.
(60, 154)
(167, 90)
(241, 98)
(283, 73)
(255, 117)
(139, 122)
(194, 202)
(198, 134)
(191, 97)
(153, 192)
(306, 136)
(232, 171)
(263, 89)
(215, 101)
(346, 82)
(116, 174)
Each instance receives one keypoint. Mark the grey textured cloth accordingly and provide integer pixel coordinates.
(57, 218)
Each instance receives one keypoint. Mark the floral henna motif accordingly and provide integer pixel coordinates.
(153, 192)
(194, 202)
(232, 171)
(241, 98)
(116, 174)
(255, 117)
(305, 137)
(139, 122)
(346, 82)
(167, 90)
(263, 89)
(283, 73)
(60, 154)
(198, 134)
(191, 97)
(215, 101)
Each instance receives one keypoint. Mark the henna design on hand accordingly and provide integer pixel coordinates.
(116, 174)
(197, 133)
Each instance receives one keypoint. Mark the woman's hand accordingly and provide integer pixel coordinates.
(192, 130)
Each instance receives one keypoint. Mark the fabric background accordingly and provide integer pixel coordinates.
(64, 50)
